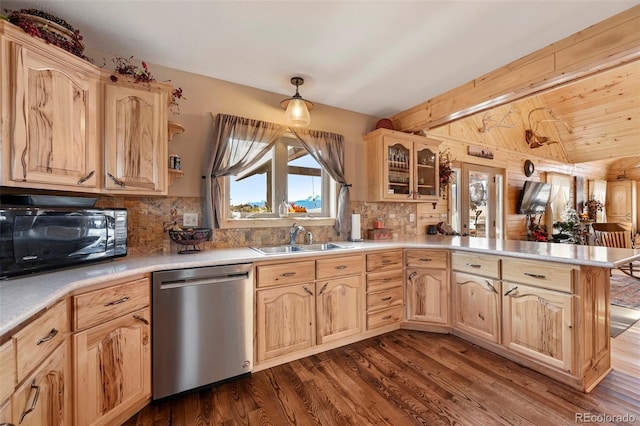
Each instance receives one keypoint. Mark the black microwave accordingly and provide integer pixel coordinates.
(36, 239)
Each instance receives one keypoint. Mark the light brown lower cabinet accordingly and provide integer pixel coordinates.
(539, 323)
(5, 413)
(43, 399)
(428, 296)
(477, 302)
(297, 317)
(338, 308)
(112, 368)
(427, 291)
(285, 320)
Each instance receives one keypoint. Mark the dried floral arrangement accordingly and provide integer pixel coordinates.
(50, 28)
(125, 66)
(446, 172)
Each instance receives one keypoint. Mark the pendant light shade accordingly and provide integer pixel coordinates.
(297, 108)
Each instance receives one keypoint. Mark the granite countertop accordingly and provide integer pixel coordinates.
(20, 298)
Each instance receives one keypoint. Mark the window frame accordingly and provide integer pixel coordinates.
(279, 184)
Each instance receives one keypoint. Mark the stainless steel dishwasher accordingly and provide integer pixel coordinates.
(202, 327)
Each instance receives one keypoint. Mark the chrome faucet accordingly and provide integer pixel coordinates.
(293, 232)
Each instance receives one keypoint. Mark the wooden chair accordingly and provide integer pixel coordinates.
(617, 239)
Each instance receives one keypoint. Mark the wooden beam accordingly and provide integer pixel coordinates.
(602, 46)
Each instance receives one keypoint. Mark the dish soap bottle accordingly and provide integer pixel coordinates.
(283, 209)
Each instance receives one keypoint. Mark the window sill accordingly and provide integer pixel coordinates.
(271, 222)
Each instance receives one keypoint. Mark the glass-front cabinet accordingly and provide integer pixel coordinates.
(402, 166)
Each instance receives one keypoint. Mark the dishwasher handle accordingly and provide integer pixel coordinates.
(186, 282)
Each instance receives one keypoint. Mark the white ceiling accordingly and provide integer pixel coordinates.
(372, 57)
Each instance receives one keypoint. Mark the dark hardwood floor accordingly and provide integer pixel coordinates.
(400, 378)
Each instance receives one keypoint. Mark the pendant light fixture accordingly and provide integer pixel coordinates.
(297, 108)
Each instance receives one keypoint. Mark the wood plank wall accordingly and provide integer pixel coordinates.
(513, 164)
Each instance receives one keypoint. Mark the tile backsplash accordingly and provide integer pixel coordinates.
(148, 217)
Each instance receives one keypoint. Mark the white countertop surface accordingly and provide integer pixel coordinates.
(20, 298)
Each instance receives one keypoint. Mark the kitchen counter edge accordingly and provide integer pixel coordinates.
(21, 298)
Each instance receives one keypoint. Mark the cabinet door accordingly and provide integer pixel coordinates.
(285, 320)
(428, 296)
(112, 367)
(135, 140)
(398, 169)
(339, 308)
(54, 141)
(43, 398)
(5, 413)
(476, 306)
(621, 202)
(539, 323)
(427, 179)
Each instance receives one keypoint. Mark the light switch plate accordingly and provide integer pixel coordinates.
(412, 217)
(190, 219)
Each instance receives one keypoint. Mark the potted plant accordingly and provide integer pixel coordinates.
(593, 206)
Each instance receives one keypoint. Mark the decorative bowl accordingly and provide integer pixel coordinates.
(190, 237)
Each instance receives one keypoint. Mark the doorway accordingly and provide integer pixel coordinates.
(478, 204)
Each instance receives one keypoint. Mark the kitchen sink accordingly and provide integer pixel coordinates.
(322, 247)
(298, 248)
(277, 249)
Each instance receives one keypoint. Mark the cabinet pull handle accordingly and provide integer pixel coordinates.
(287, 274)
(307, 290)
(474, 265)
(385, 261)
(324, 287)
(117, 302)
(425, 259)
(141, 318)
(87, 177)
(386, 317)
(341, 267)
(386, 299)
(48, 337)
(34, 403)
(491, 287)
(511, 291)
(413, 274)
(116, 180)
(529, 274)
(386, 280)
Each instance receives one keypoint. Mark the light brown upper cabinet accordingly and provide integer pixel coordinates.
(67, 127)
(135, 132)
(402, 166)
(49, 111)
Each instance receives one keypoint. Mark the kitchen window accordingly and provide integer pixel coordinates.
(288, 173)
(274, 161)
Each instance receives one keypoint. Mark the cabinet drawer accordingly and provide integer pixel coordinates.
(385, 261)
(339, 266)
(380, 281)
(487, 266)
(286, 273)
(548, 275)
(384, 298)
(7, 370)
(37, 340)
(96, 307)
(384, 317)
(427, 259)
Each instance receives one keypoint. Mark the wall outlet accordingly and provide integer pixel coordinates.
(190, 219)
(412, 217)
